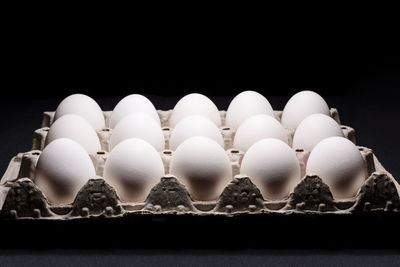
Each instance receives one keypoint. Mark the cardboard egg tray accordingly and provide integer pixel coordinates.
(21, 199)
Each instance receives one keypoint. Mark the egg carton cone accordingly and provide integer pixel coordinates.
(21, 199)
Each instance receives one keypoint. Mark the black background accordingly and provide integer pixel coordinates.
(357, 72)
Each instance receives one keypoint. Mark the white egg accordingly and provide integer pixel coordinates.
(194, 125)
(83, 106)
(138, 125)
(133, 103)
(339, 163)
(258, 127)
(63, 168)
(133, 167)
(273, 167)
(302, 105)
(314, 129)
(202, 165)
(194, 104)
(76, 128)
(245, 105)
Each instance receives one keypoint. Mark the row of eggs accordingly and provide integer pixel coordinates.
(249, 114)
(199, 160)
(241, 107)
(133, 167)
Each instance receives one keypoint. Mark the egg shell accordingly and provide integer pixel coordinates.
(138, 125)
(202, 165)
(258, 127)
(245, 105)
(194, 104)
(83, 106)
(76, 128)
(272, 166)
(314, 129)
(133, 167)
(63, 168)
(133, 103)
(194, 125)
(302, 105)
(339, 163)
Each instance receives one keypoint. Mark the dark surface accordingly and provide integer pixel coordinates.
(375, 230)
(207, 257)
(375, 116)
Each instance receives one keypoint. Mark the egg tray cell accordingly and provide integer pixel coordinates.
(21, 199)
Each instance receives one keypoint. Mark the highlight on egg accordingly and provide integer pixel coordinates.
(314, 129)
(273, 167)
(258, 127)
(339, 163)
(63, 168)
(194, 104)
(194, 125)
(76, 128)
(202, 165)
(133, 103)
(84, 106)
(245, 105)
(138, 125)
(133, 167)
(302, 105)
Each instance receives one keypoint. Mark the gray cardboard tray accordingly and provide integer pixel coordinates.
(240, 218)
(21, 199)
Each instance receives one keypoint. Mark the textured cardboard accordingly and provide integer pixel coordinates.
(21, 199)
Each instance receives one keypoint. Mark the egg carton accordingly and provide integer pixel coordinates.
(20, 198)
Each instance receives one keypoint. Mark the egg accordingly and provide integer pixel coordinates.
(63, 168)
(202, 165)
(314, 129)
(83, 106)
(194, 125)
(194, 104)
(258, 127)
(339, 163)
(302, 105)
(76, 128)
(133, 167)
(245, 105)
(133, 103)
(138, 125)
(273, 167)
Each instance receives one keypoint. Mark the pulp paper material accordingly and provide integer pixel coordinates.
(21, 198)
